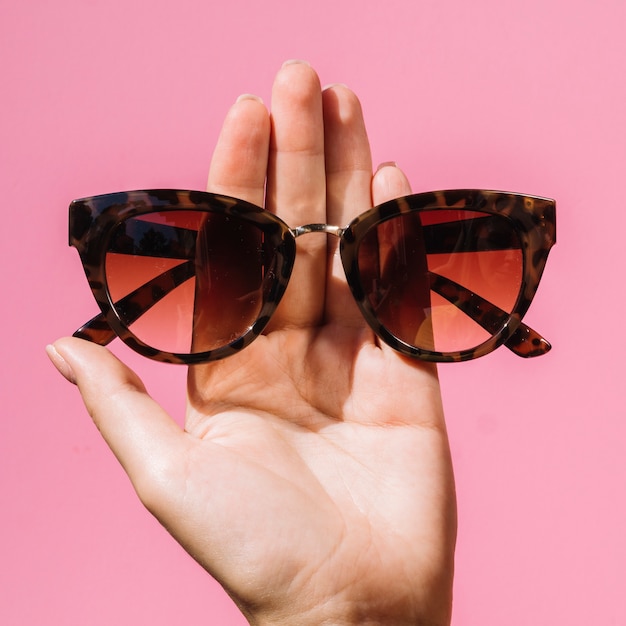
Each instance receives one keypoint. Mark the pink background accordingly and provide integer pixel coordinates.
(104, 95)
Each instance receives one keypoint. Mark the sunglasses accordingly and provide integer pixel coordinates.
(190, 276)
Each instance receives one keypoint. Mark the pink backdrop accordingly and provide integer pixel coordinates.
(529, 96)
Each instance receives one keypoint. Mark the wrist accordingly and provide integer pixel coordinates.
(358, 613)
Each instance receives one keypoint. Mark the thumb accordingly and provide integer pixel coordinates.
(143, 437)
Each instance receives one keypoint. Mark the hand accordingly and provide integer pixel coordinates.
(313, 476)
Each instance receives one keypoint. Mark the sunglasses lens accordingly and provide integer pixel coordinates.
(187, 281)
(442, 280)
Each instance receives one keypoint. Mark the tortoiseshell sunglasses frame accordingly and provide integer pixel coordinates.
(92, 220)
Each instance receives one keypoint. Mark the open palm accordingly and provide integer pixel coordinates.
(313, 477)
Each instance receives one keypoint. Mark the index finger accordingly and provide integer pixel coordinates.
(239, 163)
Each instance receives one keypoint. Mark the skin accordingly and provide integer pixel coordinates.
(313, 476)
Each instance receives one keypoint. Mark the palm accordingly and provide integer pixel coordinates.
(347, 480)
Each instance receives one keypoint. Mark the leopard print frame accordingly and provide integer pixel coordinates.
(93, 219)
(534, 220)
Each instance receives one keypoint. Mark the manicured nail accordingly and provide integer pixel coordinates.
(249, 96)
(296, 61)
(386, 164)
(61, 364)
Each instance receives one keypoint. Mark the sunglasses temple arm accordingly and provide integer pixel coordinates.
(96, 330)
(140, 301)
(524, 341)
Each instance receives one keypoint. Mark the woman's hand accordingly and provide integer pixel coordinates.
(313, 476)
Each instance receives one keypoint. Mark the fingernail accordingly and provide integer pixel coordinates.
(331, 85)
(61, 364)
(295, 62)
(249, 96)
(386, 164)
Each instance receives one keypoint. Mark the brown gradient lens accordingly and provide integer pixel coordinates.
(222, 260)
(400, 259)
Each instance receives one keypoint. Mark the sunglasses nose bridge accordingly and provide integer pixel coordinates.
(329, 229)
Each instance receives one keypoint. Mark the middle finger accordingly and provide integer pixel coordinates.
(296, 187)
